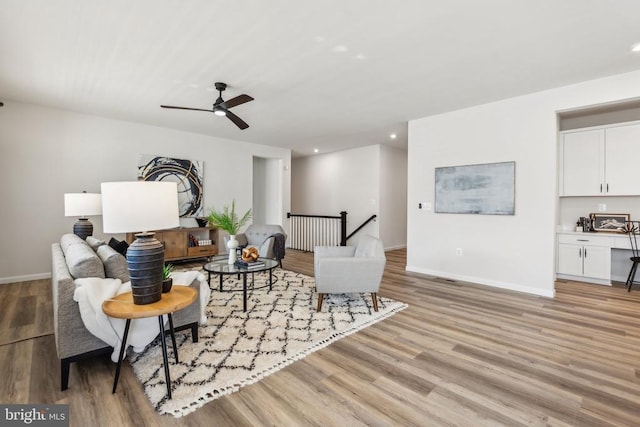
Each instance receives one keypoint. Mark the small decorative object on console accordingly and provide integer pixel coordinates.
(250, 254)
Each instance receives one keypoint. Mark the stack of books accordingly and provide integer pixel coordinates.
(249, 265)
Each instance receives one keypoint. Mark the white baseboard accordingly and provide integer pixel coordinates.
(550, 293)
(617, 278)
(39, 276)
(393, 248)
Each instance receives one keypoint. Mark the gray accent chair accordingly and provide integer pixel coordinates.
(261, 237)
(350, 269)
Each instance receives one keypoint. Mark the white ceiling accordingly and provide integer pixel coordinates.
(330, 74)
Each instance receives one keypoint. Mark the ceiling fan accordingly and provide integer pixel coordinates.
(221, 107)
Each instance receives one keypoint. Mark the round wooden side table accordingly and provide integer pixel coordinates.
(122, 307)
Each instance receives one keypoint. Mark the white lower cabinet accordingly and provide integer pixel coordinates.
(584, 258)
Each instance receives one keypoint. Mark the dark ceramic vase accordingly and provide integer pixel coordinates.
(83, 228)
(145, 258)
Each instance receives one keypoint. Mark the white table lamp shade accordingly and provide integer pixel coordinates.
(82, 204)
(139, 206)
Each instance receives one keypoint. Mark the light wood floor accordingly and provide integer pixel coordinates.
(461, 354)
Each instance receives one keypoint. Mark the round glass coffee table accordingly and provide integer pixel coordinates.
(220, 266)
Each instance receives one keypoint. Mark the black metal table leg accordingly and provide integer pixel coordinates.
(270, 278)
(165, 357)
(173, 337)
(221, 282)
(632, 275)
(122, 347)
(244, 291)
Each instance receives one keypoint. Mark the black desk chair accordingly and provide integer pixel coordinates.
(632, 228)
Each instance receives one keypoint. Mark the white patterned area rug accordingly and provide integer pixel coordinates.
(237, 349)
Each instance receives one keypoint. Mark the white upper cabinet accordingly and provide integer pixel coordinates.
(582, 167)
(622, 160)
(600, 162)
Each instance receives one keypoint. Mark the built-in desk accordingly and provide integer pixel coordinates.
(593, 257)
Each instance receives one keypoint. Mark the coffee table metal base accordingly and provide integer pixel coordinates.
(222, 268)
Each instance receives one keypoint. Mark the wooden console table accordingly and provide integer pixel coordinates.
(176, 242)
(122, 307)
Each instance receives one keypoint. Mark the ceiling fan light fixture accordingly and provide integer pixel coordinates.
(222, 107)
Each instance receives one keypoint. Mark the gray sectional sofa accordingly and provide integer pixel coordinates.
(75, 258)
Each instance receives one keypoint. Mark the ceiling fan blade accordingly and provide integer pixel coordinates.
(185, 108)
(237, 120)
(240, 99)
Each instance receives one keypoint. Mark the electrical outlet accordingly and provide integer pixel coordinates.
(458, 251)
(602, 207)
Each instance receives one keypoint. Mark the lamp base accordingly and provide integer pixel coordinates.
(83, 228)
(145, 258)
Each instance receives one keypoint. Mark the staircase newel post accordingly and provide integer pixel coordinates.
(343, 228)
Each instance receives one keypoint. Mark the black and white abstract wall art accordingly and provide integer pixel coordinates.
(188, 174)
(487, 189)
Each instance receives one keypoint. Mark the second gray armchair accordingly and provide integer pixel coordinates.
(265, 238)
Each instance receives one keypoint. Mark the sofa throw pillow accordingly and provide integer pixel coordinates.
(120, 246)
(94, 243)
(115, 265)
(366, 246)
(81, 260)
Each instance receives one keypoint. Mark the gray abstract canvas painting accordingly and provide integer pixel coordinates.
(487, 189)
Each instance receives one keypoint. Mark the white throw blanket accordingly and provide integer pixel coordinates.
(91, 292)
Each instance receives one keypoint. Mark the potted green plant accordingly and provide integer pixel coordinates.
(167, 281)
(228, 220)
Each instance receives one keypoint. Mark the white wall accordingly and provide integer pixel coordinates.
(47, 152)
(348, 180)
(515, 252)
(392, 215)
(267, 191)
(362, 181)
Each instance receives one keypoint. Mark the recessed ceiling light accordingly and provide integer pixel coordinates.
(393, 136)
(340, 48)
(360, 56)
(635, 47)
(315, 150)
